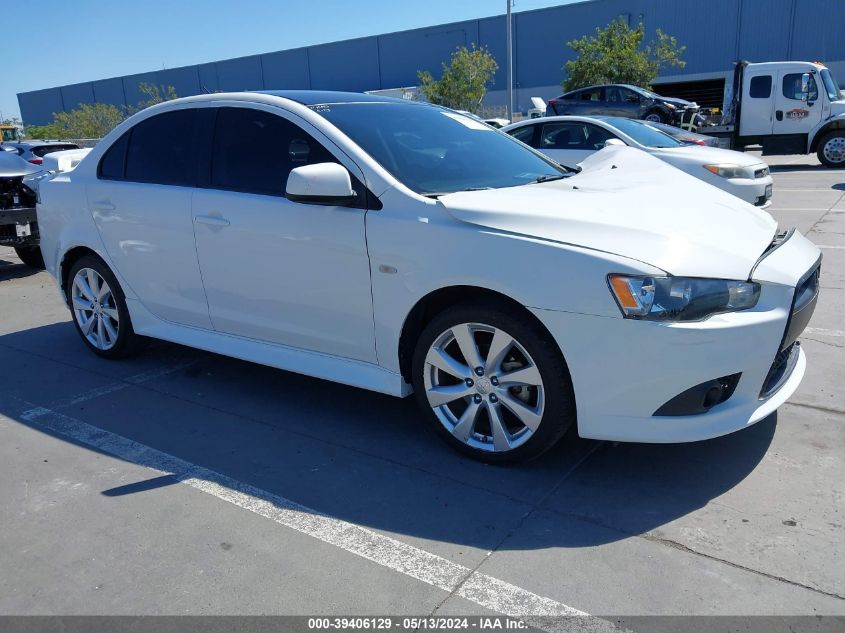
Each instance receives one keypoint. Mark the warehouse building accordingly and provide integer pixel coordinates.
(715, 32)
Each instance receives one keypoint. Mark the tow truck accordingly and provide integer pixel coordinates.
(785, 108)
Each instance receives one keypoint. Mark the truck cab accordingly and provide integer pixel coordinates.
(789, 108)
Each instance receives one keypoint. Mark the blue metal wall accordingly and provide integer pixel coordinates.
(715, 32)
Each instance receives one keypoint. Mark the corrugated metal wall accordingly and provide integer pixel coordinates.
(715, 32)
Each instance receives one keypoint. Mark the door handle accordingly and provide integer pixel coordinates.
(779, 115)
(211, 220)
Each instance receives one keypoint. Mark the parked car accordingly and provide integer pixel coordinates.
(35, 151)
(18, 221)
(402, 247)
(569, 140)
(622, 100)
(494, 122)
(684, 136)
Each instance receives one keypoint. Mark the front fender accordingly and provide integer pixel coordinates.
(833, 123)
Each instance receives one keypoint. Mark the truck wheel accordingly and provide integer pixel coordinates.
(31, 256)
(831, 151)
(655, 116)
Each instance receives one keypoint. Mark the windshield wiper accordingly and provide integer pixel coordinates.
(550, 177)
(437, 194)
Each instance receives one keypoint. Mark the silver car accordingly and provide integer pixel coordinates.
(34, 151)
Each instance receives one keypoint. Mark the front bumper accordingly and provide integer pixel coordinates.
(757, 191)
(623, 371)
(11, 219)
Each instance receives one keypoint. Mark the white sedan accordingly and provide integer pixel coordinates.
(402, 247)
(570, 139)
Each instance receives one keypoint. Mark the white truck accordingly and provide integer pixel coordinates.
(786, 108)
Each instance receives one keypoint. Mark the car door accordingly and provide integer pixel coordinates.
(628, 104)
(793, 115)
(275, 270)
(141, 205)
(566, 142)
(757, 114)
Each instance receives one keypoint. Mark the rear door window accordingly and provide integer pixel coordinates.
(254, 151)
(592, 94)
(161, 149)
(760, 87)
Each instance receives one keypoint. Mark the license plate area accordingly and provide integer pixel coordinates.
(768, 191)
(23, 230)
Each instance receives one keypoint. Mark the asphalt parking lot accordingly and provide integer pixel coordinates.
(181, 482)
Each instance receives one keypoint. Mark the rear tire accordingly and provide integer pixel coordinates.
(99, 310)
(31, 256)
(831, 149)
(492, 382)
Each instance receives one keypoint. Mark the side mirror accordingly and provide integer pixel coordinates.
(805, 86)
(613, 142)
(321, 183)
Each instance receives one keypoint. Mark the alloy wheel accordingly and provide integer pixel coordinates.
(94, 309)
(484, 387)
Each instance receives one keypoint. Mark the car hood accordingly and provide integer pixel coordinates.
(629, 203)
(709, 155)
(837, 107)
(681, 103)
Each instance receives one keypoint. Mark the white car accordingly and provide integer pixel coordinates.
(402, 247)
(570, 139)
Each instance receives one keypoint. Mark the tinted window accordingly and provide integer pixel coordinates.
(113, 163)
(160, 149)
(760, 87)
(524, 134)
(591, 94)
(435, 151)
(572, 135)
(254, 151)
(792, 87)
(43, 150)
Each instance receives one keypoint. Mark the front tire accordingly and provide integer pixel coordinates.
(655, 116)
(492, 382)
(831, 150)
(30, 256)
(99, 310)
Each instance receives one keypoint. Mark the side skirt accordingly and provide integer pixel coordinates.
(343, 370)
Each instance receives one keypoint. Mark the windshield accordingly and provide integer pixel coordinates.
(642, 133)
(830, 85)
(435, 151)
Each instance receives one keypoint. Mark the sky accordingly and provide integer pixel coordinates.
(64, 42)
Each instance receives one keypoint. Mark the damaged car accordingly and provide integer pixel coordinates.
(18, 221)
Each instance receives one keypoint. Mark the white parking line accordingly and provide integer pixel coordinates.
(485, 591)
(823, 332)
(842, 248)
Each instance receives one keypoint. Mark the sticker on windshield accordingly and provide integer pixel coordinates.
(467, 121)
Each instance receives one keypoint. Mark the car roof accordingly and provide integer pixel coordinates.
(323, 97)
(27, 144)
(631, 86)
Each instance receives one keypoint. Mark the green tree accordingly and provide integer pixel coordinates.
(93, 120)
(464, 81)
(155, 94)
(616, 55)
(33, 132)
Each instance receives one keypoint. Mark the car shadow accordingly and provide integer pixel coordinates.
(356, 455)
(774, 169)
(14, 270)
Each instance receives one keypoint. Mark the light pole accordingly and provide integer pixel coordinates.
(510, 63)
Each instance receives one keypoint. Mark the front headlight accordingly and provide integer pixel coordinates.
(680, 298)
(729, 171)
(671, 106)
